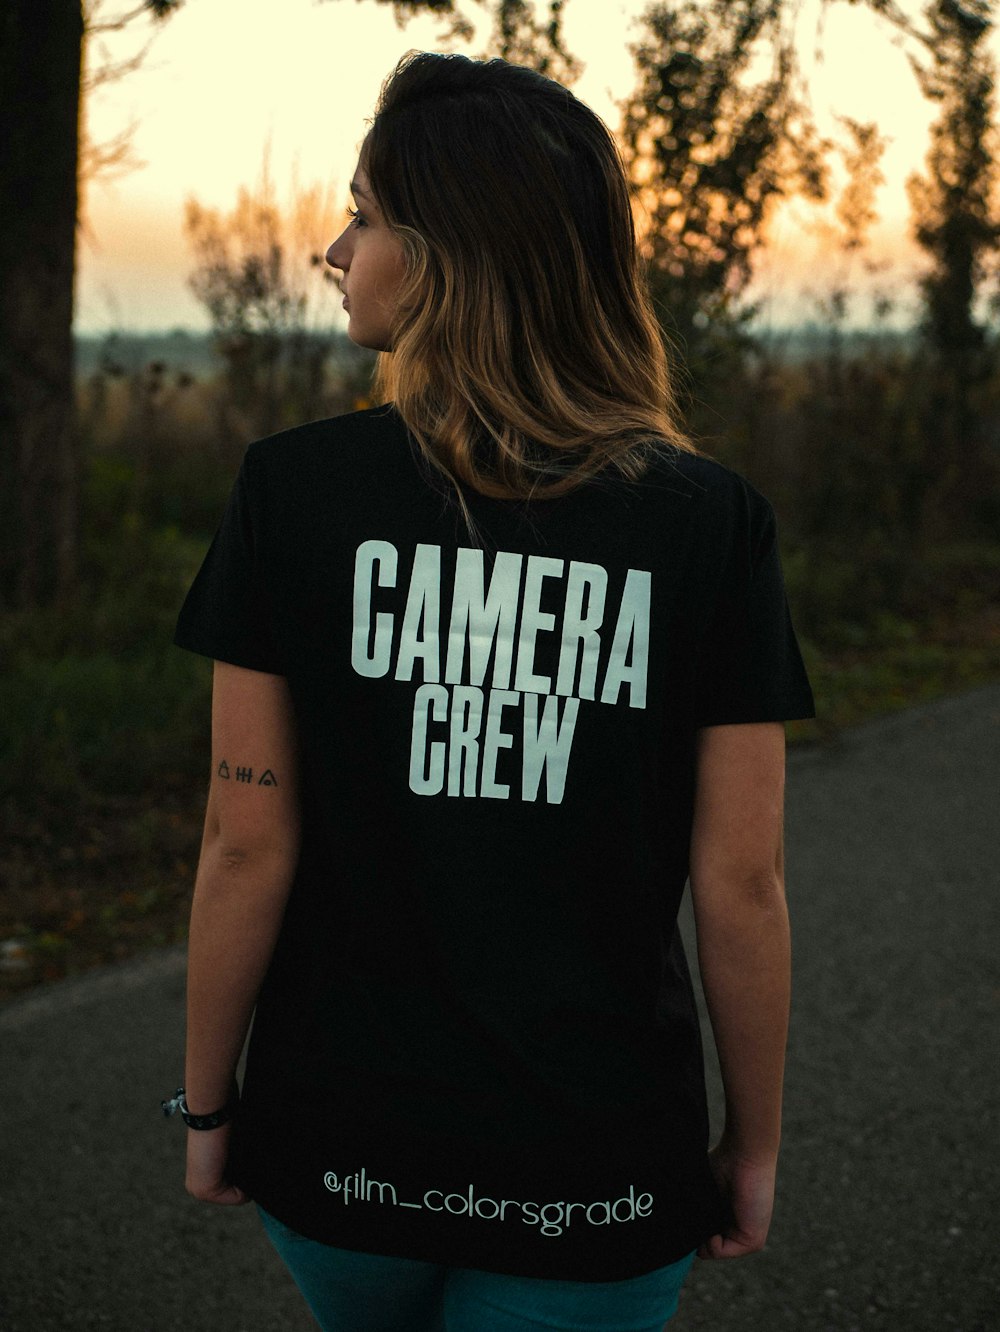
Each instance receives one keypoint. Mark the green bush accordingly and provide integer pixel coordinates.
(103, 724)
(98, 699)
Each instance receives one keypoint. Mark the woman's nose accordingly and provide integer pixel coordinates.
(339, 253)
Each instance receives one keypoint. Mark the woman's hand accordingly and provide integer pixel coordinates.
(207, 1152)
(748, 1187)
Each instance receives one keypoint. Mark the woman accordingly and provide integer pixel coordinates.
(499, 664)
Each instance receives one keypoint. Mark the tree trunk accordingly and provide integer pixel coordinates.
(40, 53)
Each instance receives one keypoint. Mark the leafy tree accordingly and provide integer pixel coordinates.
(516, 36)
(520, 39)
(856, 206)
(953, 217)
(709, 157)
(855, 212)
(955, 221)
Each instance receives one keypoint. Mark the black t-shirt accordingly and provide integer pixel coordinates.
(477, 1043)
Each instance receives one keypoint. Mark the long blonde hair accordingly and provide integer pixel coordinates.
(526, 356)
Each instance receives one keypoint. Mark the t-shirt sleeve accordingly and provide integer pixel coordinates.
(748, 666)
(226, 613)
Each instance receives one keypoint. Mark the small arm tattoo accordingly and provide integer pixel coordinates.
(266, 778)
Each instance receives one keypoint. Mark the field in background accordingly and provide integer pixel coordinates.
(891, 548)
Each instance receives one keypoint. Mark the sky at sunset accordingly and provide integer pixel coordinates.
(225, 78)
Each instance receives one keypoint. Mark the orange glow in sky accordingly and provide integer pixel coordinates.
(225, 77)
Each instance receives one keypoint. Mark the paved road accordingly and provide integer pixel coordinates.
(887, 1210)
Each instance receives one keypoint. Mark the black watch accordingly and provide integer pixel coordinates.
(214, 1120)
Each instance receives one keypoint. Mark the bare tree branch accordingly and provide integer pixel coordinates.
(115, 157)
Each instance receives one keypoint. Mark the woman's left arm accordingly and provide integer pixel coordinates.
(249, 852)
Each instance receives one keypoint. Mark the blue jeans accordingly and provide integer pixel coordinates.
(369, 1292)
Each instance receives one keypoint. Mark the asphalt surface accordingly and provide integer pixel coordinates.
(888, 1188)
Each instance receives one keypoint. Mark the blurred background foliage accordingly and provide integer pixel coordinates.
(895, 597)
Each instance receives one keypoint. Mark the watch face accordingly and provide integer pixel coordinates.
(174, 1104)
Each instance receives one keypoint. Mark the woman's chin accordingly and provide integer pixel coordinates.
(373, 344)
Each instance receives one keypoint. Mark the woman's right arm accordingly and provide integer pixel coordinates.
(738, 893)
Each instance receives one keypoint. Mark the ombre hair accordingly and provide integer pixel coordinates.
(525, 357)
